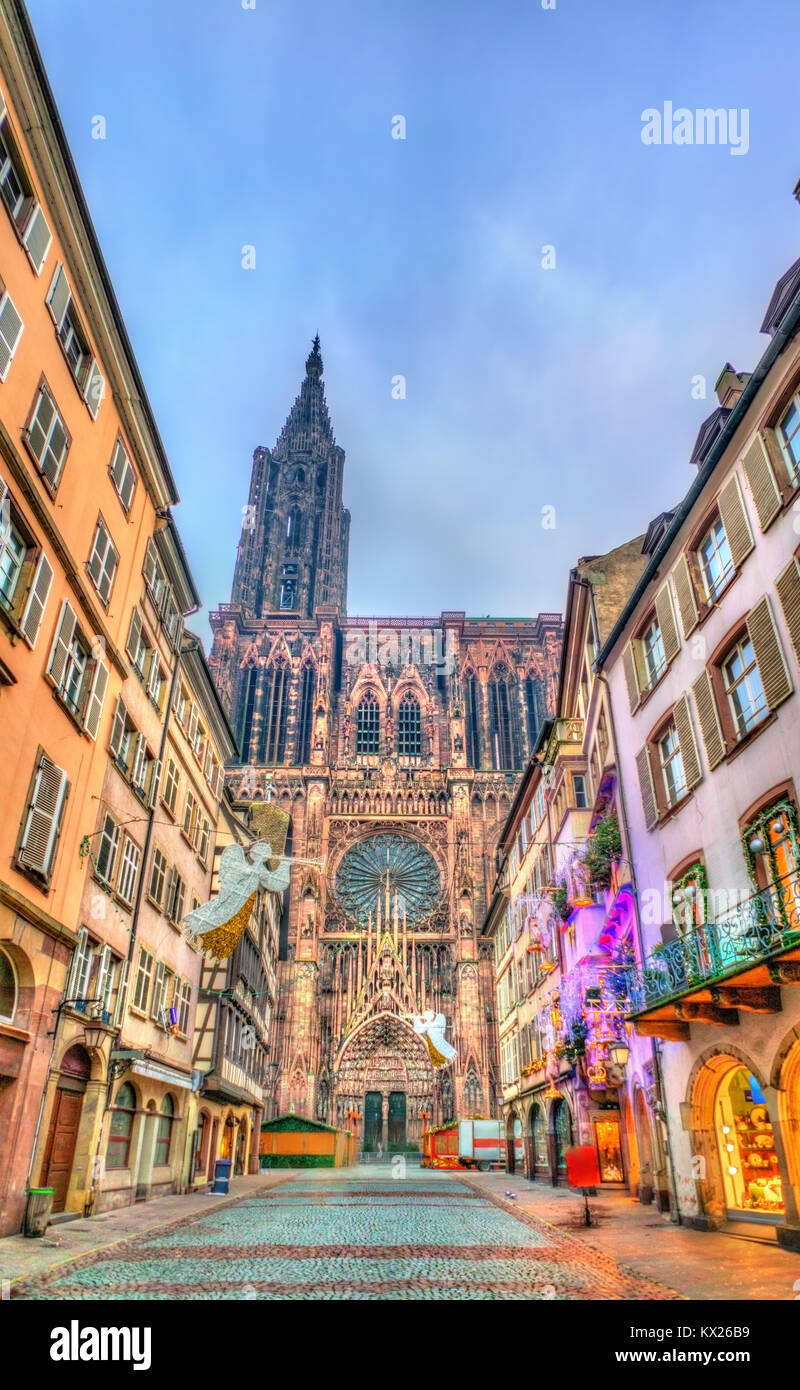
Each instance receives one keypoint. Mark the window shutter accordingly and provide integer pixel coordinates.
(44, 815)
(169, 895)
(219, 781)
(123, 475)
(769, 653)
(152, 675)
(734, 519)
(95, 389)
(788, 586)
(761, 478)
(666, 621)
(192, 730)
(122, 994)
(139, 755)
(10, 333)
(33, 612)
(64, 634)
(208, 764)
(103, 968)
(94, 706)
(58, 296)
(117, 727)
(684, 589)
(632, 677)
(150, 565)
(76, 964)
(134, 633)
(688, 743)
(713, 737)
(155, 781)
(648, 790)
(109, 570)
(37, 238)
(158, 989)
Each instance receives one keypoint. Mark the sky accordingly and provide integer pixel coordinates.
(528, 386)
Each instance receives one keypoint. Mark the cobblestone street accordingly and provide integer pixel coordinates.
(355, 1235)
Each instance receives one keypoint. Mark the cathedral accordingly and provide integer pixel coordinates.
(394, 745)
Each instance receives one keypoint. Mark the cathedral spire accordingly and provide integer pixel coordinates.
(308, 425)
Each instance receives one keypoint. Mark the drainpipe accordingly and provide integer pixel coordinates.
(656, 1051)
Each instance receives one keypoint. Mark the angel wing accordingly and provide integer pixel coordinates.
(437, 1037)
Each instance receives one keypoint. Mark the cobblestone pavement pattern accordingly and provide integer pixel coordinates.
(325, 1235)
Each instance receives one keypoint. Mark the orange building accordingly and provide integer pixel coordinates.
(84, 486)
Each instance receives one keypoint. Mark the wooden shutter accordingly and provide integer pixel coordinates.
(117, 727)
(788, 586)
(769, 653)
(158, 989)
(684, 590)
(122, 994)
(761, 479)
(139, 756)
(169, 895)
(76, 964)
(44, 814)
(632, 677)
(648, 790)
(713, 737)
(97, 694)
(63, 640)
(690, 757)
(104, 965)
(134, 633)
(10, 333)
(150, 566)
(734, 519)
(58, 296)
(666, 621)
(33, 612)
(192, 730)
(155, 782)
(95, 389)
(37, 238)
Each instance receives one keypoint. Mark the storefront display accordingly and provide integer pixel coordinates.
(609, 1151)
(747, 1148)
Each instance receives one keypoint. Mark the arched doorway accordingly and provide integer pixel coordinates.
(540, 1166)
(511, 1165)
(226, 1146)
(738, 1164)
(240, 1157)
(561, 1129)
(644, 1146)
(76, 1068)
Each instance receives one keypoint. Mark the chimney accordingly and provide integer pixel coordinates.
(730, 385)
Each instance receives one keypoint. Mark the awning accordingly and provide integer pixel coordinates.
(158, 1071)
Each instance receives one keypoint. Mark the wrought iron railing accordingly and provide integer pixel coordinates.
(757, 928)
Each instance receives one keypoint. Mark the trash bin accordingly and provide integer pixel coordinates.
(37, 1210)
(222, 1176)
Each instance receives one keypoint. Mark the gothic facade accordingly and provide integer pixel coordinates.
(395, 744)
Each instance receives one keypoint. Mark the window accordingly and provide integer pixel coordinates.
(274, 708)
(107, 975)
(715, 560)
(122, 475)
(473, 720)
(129, 868)
(8, 989)
(138, 647)
(25, 572)
(158, 877)
(121, 1128)
(80, 970)
(579, 791)
(42, 822)
(171, 784)
(106, 858)
(175, 896)
(14, 183)
(655, 663)
(144, 971)
(10, 332)
(184, 999)
(669, 752)
(204, 831)
(501, 718)
(16, 191)
(74, 341)
(743, 687)
(190, 816)
(294, 529)
(103, 561)
(79, 679)
(47, 438)
(161, 593)
(12, 558)
(409, 727)
(164, 1130)
(789, 439)
(368, 725)
(157, 999)
(288, 592)
(167, 996)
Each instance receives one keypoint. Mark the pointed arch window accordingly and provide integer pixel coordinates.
(368, 725)
(305, 714)
(409, 727)
(473, 720)
(501, 722)
(294, 529)
(247, 708)
(534, 706)
(274, 710)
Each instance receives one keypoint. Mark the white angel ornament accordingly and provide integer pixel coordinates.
(218, 924)
(431, 1026)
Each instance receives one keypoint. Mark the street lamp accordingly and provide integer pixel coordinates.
(620, 1052)
(93, 1036)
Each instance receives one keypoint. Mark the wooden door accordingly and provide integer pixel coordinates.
(61, 1144)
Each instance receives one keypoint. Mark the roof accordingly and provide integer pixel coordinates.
(783, 295)
(297, 1122)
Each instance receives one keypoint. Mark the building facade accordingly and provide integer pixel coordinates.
(703, 668)
(394, 744)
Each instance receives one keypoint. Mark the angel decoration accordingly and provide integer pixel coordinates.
(217, 925)
(431, 1026)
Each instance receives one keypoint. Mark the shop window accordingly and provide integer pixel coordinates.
(747, 1151)
(609, 1150)
(121, 1129)
(164, 1130)
(8, 989)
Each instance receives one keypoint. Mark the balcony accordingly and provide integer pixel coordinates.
(710, 973)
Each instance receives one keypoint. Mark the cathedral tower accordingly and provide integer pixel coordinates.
(394, 745)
